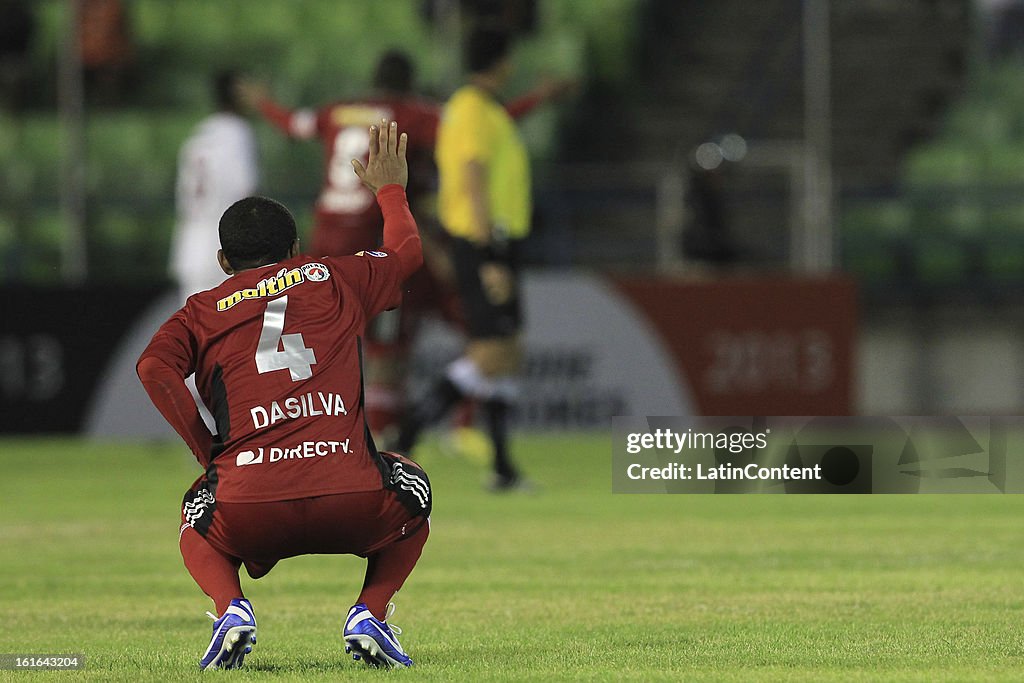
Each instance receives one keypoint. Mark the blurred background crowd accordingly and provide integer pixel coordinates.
(879, 140)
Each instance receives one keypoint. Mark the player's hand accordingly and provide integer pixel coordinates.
(387, 162)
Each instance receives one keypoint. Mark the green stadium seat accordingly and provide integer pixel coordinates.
(1003, 250)
(941, 261)
(41, 144)
(873, 235)
(7, 227)
(945, 164)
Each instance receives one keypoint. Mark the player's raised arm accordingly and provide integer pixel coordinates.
(386, 174)
(296, 123)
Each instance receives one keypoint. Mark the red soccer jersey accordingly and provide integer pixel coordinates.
(276, 352)
(341, 127)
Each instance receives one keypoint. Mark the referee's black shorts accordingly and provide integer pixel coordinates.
(490, 311)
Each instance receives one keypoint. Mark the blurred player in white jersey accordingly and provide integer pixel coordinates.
(217, 166)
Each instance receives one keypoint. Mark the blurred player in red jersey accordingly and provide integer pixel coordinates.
(293, 470)
(347, 219)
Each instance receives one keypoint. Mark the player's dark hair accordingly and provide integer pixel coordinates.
(256, 231)
(485, 48)
(394, 72)
(225, 92)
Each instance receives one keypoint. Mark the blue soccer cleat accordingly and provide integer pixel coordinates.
(372, 640)
(234, 634)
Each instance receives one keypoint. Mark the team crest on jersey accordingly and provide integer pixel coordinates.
(315, 272)
(378, 254)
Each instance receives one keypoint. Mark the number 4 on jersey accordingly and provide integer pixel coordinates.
(277, 351)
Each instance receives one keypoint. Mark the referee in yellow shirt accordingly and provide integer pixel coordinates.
(484, 203)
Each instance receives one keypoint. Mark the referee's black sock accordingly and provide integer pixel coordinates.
(496, 414)
(435, 406)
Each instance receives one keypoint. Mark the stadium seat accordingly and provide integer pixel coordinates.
(874, 242)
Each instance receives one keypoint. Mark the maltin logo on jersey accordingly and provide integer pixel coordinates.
(378, 254)
(276, 284)
(315, 272)
(272, 286)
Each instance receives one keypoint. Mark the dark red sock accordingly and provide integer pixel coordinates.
(388, 568)
(215, 572)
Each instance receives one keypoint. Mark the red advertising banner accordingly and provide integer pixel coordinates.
(756, 345)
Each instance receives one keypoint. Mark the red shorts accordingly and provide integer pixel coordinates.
(345, 523)
(360, 524)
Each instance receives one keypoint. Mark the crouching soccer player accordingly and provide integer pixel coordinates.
(293, 470)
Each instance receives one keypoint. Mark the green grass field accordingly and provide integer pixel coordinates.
(570, 583)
